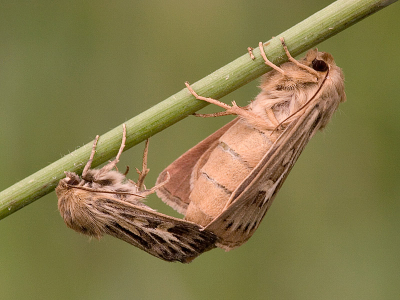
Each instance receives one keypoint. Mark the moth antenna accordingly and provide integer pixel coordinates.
(89, 163)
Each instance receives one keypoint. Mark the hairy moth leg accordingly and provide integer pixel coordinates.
(232, 110)
(89, 163)
(250, 51)
(145, 170)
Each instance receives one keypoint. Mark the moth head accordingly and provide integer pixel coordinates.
(64, 184)
(319, 61)
(71, 178)
(336, 77)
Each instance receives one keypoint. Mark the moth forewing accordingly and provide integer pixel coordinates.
(104, 201)
(232, 184)
(252, 198)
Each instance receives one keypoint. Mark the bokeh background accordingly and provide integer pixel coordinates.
(72, 69)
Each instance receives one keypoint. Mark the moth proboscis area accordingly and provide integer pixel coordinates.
(103, 201)
(227, 182)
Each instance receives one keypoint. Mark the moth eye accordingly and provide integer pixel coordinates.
(319, 65)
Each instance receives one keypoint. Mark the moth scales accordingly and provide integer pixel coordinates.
(227, 182)
(103, 201)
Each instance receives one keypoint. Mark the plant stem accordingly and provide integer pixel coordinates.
(306, 34)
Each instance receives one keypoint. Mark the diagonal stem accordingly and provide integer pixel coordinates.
(306, 34)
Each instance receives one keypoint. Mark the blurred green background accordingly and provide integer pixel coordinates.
(71, 70)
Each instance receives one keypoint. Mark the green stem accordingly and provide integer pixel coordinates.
(308, 33)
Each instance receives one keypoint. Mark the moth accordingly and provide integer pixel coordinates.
(227, 182)
(104, 201)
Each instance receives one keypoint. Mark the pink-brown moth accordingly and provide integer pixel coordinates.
(227, 182)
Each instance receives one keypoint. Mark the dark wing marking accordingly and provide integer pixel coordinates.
(165, 237)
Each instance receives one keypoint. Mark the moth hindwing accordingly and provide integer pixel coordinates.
(227, 182)
(104, 201)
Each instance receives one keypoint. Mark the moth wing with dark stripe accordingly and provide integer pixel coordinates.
(165, 237)
(104, 201)
(175, 192)
(252, 198)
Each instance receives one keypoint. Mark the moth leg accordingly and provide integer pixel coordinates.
(145, 192)
(267, 61)
(233, 110)
(145, 170)
(126, 171)
(218, 114)
(250, 50)
(209, 100)
(89, 163)
(230, 110)
(271, 117)
(297, 63)
(270, 112)
(112, 164)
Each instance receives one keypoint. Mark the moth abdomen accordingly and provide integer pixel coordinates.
(237, 153)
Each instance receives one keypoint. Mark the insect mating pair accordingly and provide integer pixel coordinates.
(225, 184)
